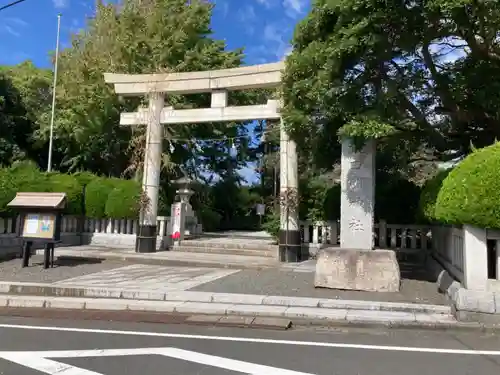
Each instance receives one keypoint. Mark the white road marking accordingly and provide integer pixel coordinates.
(39, 360)
(157, 278)
(47, 366)
(260, 341)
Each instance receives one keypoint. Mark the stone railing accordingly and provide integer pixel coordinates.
(470, 255)
(448, 249)
(98, 232)
(412, 242)
(388, 236)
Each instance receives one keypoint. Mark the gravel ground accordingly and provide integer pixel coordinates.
(301, 284)
(11, 270)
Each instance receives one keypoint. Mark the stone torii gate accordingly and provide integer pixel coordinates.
(357, 167)
(218, 83)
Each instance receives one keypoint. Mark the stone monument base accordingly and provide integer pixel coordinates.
(365, 270)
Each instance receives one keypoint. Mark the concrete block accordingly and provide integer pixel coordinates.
(435, 319)
(101, 293)
(105, 304)
(256, 310)
(205, 319)
(5, 288)
(243, 299)
(475, 301)
(385, 317)
(189, 296)
(27, 301)
(291, 301)
(444, 281)
(235, 320)
(152, 306)
(202, 308)
(143, 295)
(350, 304)
(273, 323)
(453, 290)
(65, 303)
(315, 313)
(366, 270)
(497, 303)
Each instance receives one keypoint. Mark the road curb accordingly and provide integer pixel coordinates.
(298, 315)
(51, 290)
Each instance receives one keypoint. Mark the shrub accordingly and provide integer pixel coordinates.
(96, 196)
(428, 196)
(396, 198)
(84, 178)
(65, 183)
(8, 190)
(272, 224)
(209, 218)
(124, 200)
(471, 192)
(28, 178)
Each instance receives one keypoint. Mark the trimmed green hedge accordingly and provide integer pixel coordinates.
(124, 200)
(96, 196)
(427, 205)
(89, 195)
(471, 192)
(65, 183)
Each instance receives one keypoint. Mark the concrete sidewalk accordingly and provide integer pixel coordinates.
(284, 291)
(299, 310)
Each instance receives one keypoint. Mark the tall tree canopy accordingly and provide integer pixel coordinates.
(423, 75)
(140, 37)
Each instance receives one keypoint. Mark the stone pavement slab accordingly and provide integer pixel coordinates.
(151, 278)
(11, 270)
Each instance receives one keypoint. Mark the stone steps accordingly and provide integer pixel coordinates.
(223, 250)
(252, 248)
(230, 244)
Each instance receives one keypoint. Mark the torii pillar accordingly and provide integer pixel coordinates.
(146, 233)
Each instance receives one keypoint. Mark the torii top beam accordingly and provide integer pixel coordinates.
(247, 77)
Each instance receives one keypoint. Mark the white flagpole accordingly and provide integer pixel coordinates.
(51, 140)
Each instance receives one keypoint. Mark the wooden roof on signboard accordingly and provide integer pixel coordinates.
(41, 200)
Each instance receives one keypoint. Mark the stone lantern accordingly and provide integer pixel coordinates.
(184, 194)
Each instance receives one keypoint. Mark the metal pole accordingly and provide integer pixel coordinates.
(51, 140)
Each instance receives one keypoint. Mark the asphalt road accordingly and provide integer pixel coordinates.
(107, 348)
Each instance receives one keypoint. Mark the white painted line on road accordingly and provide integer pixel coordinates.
(260, 341)
(45, 365)
(39, 360)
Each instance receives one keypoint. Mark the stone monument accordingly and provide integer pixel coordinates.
(355, 265)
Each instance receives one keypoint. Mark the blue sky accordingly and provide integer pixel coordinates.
(262, 27)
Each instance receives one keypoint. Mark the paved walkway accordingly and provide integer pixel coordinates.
(156, 278)
(283, 280)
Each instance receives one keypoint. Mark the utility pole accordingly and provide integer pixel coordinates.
(51, 136)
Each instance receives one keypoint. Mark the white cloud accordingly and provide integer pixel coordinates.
(12, 26)
(60, 4)
(267, 3)
(247, 16)
(11, 31)
(276, 42)
(295, 8)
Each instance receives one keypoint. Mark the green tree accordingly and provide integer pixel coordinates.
(420, 74)
(140, 37)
